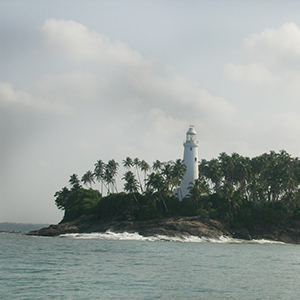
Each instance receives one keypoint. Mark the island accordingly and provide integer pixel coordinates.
(234, 196)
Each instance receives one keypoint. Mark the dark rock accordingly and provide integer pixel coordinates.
(178, 226)
(243, 234)
(169, 226)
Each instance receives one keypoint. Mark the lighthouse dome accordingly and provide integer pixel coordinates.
(191, 134)
(191, 130)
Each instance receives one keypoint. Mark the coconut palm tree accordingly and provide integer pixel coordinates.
(167, 172)
(88, 178)
(136, 163)
(226, 164)
(131, 184)
(127, 163)
(74, 182)
(197, 190)
(157, 184)
(242, 173)
(178, 172)
(227, 192)
(213, 172)
(145, 167)
(61, 200)
(157, 165)
(99, 172)
(111, 171)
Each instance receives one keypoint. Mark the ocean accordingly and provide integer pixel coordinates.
(128, 266)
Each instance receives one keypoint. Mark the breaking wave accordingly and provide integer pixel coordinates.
(126, 236)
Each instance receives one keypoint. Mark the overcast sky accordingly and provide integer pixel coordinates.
(88, 80)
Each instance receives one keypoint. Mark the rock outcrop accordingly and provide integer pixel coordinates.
(176, 226)
(179, 226)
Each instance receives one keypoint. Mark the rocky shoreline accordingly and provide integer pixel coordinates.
(174, 227)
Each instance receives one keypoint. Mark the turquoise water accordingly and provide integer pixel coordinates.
(99, 267)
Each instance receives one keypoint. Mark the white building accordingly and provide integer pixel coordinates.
(190, 158)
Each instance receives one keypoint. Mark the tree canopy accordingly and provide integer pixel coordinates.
(240, 191)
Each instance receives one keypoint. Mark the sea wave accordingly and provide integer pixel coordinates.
(126, 236)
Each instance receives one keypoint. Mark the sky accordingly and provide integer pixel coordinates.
(87, 80)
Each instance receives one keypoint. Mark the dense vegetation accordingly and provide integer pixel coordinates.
(148, 191)
(241, 191)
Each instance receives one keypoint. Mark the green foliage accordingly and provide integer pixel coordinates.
(149, 212)
(116, 205)
(242, 192)
(77, 202)
(188, 207)
(148, 207)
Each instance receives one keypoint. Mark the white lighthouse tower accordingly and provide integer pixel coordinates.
(190, 159)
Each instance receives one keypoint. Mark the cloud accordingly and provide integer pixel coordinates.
(275, 45)
(178, 96)
(77, 42)
(267, 74)
(7, 94)
(72, 87)
(24, 101)
(255, 74)
(108, 102)
(287, 125)
(130, 84)
(271, 59)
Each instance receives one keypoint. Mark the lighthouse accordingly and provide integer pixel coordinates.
(190, 159)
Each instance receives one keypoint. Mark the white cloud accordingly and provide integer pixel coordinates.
(256, 74)
(162, 126)
(140, 83)
(179, 96)
(124, 107)
(271, 60)
(275, 45)
(268, 77)
(7, 94)
(287, 126)
(22, 100)
(77, 42)
(138, 89)
(71, 87)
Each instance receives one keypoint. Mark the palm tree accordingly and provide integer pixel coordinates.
(136, 163)
(99, 172)
(227, 192)
(157, 165)
(61, 200)
(88, 178)
(157, 184)
(178, 172)
(111, 171)
(108, 180)
(242, 172)
(127, 163)
(256, 186)
(167, 172)
(227, 167)
(213, 172)
(131, 185)
(197, 190)
(74, 182)
(145, 167)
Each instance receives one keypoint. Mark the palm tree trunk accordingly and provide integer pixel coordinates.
(136, 200)
(164, 203)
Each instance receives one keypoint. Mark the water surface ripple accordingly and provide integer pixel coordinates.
(94, 267)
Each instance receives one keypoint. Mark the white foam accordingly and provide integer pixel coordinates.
(263, 241)
(126, 236)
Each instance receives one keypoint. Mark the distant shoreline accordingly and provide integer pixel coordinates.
(174, 227)
(20, 227)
